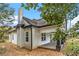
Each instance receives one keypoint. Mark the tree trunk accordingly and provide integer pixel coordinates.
(58, 46)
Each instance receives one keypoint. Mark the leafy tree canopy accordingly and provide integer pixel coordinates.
(54, 13)
(6, 18)
(6, 14)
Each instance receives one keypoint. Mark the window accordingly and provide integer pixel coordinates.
(43, 36)
(27, 38)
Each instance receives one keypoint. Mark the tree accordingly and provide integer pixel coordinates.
(6, 14)
(59, 36)
(6, 18)
(54, 13)
(76, 26)
(74, 30)
(3, 31)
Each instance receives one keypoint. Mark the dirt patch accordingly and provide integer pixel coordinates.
(13, 50)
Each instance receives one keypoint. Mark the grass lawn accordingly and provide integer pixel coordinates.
(10, 49)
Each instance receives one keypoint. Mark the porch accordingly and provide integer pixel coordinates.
(51, 45)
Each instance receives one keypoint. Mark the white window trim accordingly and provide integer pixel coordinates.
(43, 36)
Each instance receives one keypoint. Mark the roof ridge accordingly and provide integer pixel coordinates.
(39, 22)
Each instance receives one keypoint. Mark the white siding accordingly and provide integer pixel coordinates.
(13, 37)
(10, 38)
(37, 41)
(27, 44)
(20, 37)
(47, 29)
(35, 38)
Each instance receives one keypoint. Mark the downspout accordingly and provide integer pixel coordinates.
(31, 38)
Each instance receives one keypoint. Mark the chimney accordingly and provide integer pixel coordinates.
(20, 15)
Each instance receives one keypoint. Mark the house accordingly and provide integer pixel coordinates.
(31, 33)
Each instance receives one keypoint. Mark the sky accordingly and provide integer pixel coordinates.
(73, 22)
(34, 14)
(31, 14)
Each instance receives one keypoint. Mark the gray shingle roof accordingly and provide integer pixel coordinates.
(35, 22)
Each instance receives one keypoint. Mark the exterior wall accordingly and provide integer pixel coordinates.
(46, 30)
(35, 38)
(10, 37)
(27, 44)
(13, 37)
(37, 35)
(20, 37)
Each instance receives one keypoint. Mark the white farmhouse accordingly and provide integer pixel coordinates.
(31, 33)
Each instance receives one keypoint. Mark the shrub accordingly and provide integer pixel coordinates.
(2, 50)
(73, 33)
(2, 41)
(71, 47)
(59, 34)
(60, 37)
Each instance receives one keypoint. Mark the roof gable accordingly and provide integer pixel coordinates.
(34, 22)
(25, 23)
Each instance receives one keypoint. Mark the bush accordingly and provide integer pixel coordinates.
(2, 41)
(71, 47)
(60, 37)
(2, 50)
(73, 33)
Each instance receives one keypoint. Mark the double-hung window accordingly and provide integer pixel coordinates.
(27, 36)
(43, 36)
